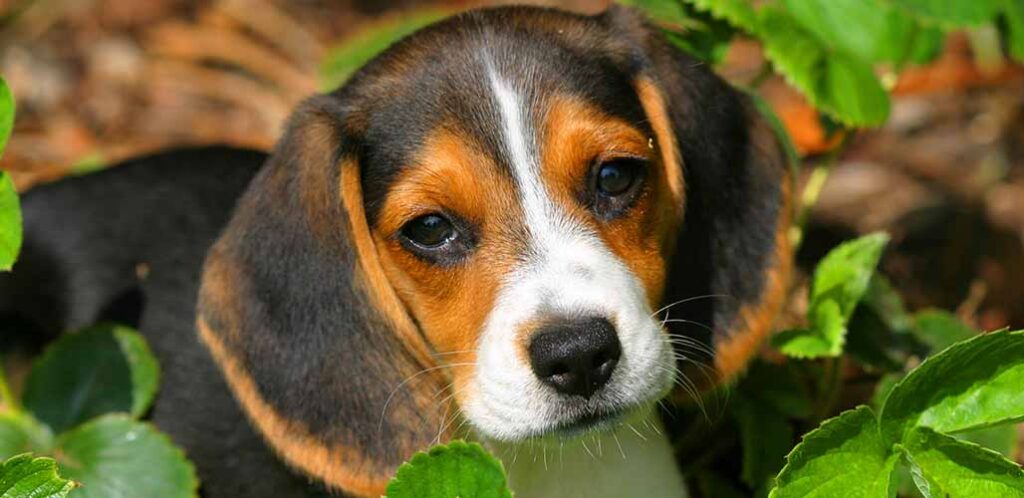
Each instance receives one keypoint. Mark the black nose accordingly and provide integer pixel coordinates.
(575, 357)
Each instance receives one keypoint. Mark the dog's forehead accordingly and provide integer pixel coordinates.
(445, 77)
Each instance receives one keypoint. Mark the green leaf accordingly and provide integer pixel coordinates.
(766, 437)
(455, 469)
(951, 13)
(661, 11)
(1013, 15)
(739, 13)
(872, 30)
(836, 82)
(10, 223)
(103, 369)
(840, 280)
(940, 329)
(1001, 438)
(6, 114)
(973, 384)
(881, 331)
(116, 457)
(945, 466)
(844, 457)
(20, 433)
(26, 477)
(344, 59)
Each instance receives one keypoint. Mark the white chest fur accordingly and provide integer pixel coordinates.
(633, 460)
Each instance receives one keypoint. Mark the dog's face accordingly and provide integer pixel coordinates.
(526, 225)
(490, 213)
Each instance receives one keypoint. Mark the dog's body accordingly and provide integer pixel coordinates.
(471, 238)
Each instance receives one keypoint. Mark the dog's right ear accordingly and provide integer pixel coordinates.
(298, 314)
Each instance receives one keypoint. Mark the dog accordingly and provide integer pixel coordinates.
(521, 226)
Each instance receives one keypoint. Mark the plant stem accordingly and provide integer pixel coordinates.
(812, 191)
(7, 401)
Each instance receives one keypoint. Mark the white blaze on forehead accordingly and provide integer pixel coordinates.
(545, 223)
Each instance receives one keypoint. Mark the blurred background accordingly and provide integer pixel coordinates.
(98, 81)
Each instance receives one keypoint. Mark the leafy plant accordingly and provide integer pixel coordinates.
(454, 469)
(10, 211)
(82, 403)
(973, 384)
(24, 476)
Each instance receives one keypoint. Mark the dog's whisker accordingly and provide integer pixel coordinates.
(391, 395)
(587, 449)
(615, 438)
(689, 299)
(690, 322)
(641, 436)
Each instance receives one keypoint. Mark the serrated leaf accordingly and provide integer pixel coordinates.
(871, 30)
(104, 369)
(945, 466)
(10, 223)
(25, 477)
(844, 457)
(940, 329)
(766, 437)
(114, 456)
(458, 469)
(840, 281)
(344, 59)
(973, 384)
(20, 433)
(6, 114)
(951, 13)
(1013, 15)
(880, 332)
(836, 82)
(739, 13)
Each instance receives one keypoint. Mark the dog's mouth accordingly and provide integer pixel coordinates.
(591, 422)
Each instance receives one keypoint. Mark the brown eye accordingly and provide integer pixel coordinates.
(429, 231)
(615, 186)
(614, 178)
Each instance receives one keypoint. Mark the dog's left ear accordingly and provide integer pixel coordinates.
(732, 256)
(297, 312)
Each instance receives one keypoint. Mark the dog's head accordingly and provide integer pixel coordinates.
(482, 226)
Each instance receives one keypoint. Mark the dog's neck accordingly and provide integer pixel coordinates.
(634, 459)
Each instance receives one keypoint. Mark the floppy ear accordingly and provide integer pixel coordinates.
(295, 309)
(732, 256)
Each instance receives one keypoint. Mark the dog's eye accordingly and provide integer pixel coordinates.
(615, 185)
(429, 231)
(615, 177)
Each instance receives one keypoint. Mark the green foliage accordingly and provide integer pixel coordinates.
(25, 477)
(10, 211)
(82, 401)
(840, 280)
(100, 370)
(10, 223)
(343, 60)
(116, 456)
(1013, 17)
(972, 384)
(843, 457)
(836, 82)
(946, 466)
(6, 114)
(951, 13)
(456, 469)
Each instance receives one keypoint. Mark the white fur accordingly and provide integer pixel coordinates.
(631, 460)
(567, 271)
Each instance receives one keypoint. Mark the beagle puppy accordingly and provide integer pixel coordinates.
(519, 226)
